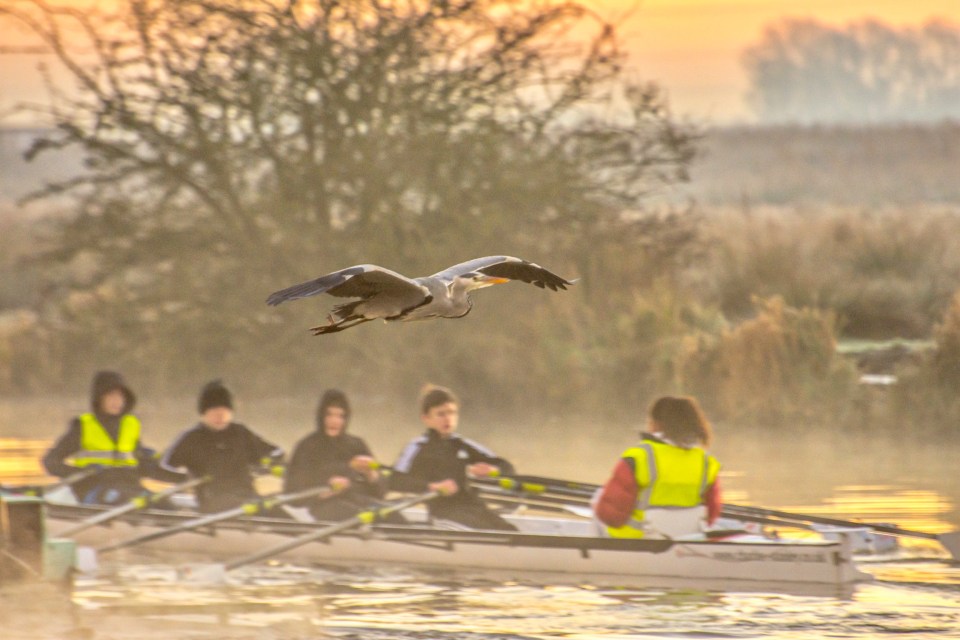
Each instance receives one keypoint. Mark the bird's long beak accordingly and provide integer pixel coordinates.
(488, 281)
(482, 281)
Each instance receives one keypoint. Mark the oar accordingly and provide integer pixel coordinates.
(508, 489)
(576, 500)
(538, 484)
(39, 490)
(364, 517)
(950, 541)
(556, 482)
(543, 502)
(140, 502)
(73, 479)
(529, 496)
(249, 508)
(515, 483)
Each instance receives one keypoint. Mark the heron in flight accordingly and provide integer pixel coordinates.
(389, 295)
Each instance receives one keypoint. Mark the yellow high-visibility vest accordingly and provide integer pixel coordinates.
(669, 477)
(96, 447)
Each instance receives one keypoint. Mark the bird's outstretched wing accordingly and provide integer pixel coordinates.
(361, 281)
(507, 267)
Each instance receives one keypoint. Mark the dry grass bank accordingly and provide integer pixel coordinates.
(801, 166)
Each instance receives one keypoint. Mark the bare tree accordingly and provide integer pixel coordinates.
(233, 145)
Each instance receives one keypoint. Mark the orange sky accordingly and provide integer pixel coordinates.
(692, 47)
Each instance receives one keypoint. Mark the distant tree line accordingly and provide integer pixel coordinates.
(868, 71)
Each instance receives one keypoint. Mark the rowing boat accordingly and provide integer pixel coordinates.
(555, 546)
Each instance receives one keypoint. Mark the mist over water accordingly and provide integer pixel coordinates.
(882, 477)
(908, 483)
(790, 211)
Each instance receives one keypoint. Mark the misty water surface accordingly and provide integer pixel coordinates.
(912, 484)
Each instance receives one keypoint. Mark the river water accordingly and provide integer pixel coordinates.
(911, 484)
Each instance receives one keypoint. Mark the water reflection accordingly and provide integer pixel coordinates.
(152, 600)
(400, 604)
(20, 460)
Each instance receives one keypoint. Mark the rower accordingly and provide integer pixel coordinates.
(661, 486)
(222, 449)
(106, 438)
(441, 460)
(331, 456)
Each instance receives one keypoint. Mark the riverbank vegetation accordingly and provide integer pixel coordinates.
(746, 314)
(280, 151)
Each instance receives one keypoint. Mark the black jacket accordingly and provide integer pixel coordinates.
(431, 458)
(228, 457)
(318, 457)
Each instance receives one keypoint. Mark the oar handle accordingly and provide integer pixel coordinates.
(364, 517)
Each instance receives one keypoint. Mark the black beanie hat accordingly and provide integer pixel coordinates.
(106, 381)
(214, 394)
(332, 398)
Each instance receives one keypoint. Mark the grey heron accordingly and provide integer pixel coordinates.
(389, 295)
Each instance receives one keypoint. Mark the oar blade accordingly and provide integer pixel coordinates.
(85, 560)
(202, 573)
(579, 510)
(951, 542)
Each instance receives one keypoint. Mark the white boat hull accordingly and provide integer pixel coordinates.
(545, 545)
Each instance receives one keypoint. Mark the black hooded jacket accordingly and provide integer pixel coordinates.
(318, 457)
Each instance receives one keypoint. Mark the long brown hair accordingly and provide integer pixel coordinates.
(682, 421)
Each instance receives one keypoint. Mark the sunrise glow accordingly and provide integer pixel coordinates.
(692, 47)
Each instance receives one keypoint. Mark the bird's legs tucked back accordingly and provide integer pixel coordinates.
(342, 316)
(335, 326)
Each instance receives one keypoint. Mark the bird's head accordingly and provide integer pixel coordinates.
(474, 280)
